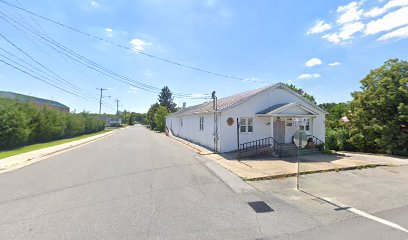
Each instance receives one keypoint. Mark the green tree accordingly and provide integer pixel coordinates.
(166, 99)
(336, 112)
(150, 115)
(22, 123)
(379, 112)
(14, 130)
(301, 92)
(160, 118)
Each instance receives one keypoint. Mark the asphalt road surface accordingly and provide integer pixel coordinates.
(138, 184)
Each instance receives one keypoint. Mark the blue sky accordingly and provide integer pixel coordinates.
(324, 47)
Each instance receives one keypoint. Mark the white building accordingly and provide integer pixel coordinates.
(262, 113)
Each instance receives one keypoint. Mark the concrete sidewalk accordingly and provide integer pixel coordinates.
(318, 162)
(266, 167)
(21, 160)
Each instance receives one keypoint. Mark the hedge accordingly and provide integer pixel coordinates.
(22, 124)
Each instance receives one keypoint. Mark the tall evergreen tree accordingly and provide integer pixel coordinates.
(166, 99)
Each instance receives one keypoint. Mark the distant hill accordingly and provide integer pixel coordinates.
(40, 102)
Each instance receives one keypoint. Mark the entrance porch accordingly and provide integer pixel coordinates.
(283, 129)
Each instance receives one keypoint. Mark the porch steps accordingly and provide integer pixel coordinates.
(290, 149)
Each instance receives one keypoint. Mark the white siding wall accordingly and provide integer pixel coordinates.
(228, 134)
(261, 129)
(191, 128)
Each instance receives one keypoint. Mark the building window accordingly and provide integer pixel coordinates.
(250, 124)
(306, 126)
(242, 125)
(201, 123)
(246, 125)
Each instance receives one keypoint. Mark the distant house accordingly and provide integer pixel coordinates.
(38, 102)
(263, 113)
(111, 121)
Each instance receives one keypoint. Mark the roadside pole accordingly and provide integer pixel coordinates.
(239, 153)
(298, 159)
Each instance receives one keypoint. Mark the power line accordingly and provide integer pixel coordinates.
(102, 70)
(27, 35)
(52, 79)
(122, 46)
(21, 70)
(29, 56)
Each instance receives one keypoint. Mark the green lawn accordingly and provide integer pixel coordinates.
(29, 148)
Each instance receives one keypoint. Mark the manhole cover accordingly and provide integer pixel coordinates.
(260, 207)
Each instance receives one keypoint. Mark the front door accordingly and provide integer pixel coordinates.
(279, 131)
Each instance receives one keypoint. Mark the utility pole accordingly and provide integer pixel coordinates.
(215, 108)
(117, 107)
(100, 98)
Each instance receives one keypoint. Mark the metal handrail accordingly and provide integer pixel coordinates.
(260, 143)
(318, 142)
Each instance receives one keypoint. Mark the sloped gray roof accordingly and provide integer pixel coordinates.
(226, 102)
(222, 103)
(271, 108)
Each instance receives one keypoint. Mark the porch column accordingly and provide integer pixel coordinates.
(272, 119)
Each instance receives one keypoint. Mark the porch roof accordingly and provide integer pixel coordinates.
(295, 109)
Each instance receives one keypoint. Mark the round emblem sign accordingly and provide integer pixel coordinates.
(230, 121)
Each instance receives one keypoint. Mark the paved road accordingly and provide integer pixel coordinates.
(137, 184)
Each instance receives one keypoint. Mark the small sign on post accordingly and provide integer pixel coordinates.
(300, 140)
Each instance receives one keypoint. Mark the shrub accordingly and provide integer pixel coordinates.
(160, 118)
(14, 130)
(22, 124)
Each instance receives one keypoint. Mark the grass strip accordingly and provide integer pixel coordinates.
(36, 146)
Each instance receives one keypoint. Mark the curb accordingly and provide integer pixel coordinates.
(281, 176)
(32, 160)
(278, 176)
(73, 146)
(191, 145)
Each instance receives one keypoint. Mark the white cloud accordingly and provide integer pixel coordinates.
(399, 33)
(390, 21)
(349, 13)
(198, 95)
(255, 80)
(334, 64)
(320, 26)
(313, 62)
(133, 90)
(308, 76)
(347, 7)
(95, 4)
(109, 32)
(138, 44)
(211, 3)
(332, 37)
(377, 11)
(349, 29)
(345, 34)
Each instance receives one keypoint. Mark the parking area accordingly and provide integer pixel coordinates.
(373, 191)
